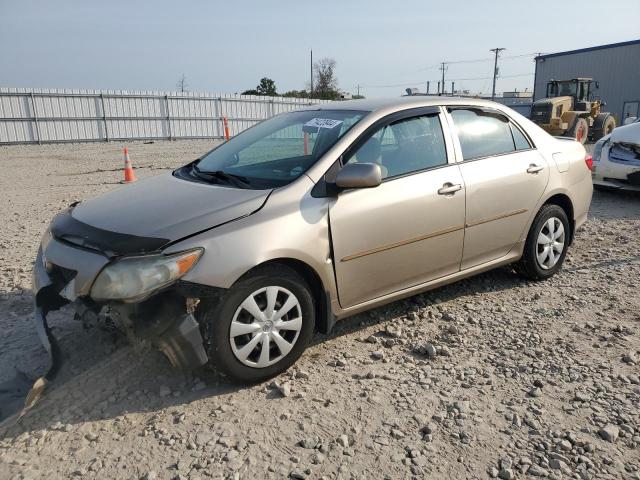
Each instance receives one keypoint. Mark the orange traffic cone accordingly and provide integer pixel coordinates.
(129, 175)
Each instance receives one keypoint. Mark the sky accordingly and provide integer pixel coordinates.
(227, 46)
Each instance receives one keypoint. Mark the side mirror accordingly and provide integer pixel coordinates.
(597, 85)
(359, 175)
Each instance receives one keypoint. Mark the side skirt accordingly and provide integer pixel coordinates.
(511, 257)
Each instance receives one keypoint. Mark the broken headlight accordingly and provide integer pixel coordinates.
(134, 278)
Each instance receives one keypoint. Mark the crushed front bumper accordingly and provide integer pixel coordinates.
(64, 274)
(61, 274)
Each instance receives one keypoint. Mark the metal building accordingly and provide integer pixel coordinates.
(615, 66)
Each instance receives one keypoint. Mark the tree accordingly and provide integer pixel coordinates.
(326, 82)
(296, 94)
(182, 84)
(267, 87)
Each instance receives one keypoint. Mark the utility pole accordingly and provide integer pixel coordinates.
(444, 68)
(358, 88)
(311, 70)
(495, 71)
(428, 87)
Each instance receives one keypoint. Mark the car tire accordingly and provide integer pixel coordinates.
(541, 258)
(579, 130)
(231, 316)
(604, 125)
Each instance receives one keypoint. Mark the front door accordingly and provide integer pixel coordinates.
(408, 230)
(505, 176)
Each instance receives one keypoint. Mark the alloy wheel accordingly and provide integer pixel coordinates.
(265, 326)
(550, 243)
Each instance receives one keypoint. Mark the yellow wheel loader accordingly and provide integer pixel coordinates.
(569, 110)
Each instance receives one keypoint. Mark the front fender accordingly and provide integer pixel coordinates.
(292, 225)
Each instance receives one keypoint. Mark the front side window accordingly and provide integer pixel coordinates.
(483, 134)
(404, 146)
(277, 151)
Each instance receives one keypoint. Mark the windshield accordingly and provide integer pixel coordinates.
(562, 89)
(275, 152)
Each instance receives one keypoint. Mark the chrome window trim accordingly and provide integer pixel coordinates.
(449, 108)
(402, 115)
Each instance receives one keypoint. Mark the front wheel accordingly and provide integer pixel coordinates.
(546, 245)
(261, 326)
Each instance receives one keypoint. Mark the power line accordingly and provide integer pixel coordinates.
(420, 82)
(438, 66)
(509, 57)
(502, 76)
(457, 62)
(478, 60)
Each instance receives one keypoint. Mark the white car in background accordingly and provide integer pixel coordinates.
(616, 159)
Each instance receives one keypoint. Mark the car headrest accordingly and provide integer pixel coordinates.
(369, 152)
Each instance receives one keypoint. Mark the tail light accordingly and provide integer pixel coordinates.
(589, 161)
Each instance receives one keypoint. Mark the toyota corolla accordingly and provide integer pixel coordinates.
(312, 216)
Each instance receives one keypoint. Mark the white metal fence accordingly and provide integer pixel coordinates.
(51, 116)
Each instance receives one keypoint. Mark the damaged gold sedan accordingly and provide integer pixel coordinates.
(309, 217)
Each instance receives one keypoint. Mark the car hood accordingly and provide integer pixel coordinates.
(545, 101)
(629, 134)
(167, 207)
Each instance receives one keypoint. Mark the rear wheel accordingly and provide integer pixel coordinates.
(579, 130)
(546, 245)
(261, 326)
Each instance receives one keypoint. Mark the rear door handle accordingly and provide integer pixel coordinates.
(533, 168)
(449, 188)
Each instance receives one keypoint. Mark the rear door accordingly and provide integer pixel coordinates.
(505, 177)
(408, 230)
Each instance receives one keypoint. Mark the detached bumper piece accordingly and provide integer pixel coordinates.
(182, 343)
(47, 290)
(164, 321)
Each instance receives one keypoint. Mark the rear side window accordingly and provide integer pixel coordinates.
(520, 140)
(483, 134)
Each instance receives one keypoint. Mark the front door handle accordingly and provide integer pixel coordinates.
(449, 188)
(533, 168)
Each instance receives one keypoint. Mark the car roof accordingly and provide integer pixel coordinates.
(401, 103)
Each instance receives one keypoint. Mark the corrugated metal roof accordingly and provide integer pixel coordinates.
(588, 49)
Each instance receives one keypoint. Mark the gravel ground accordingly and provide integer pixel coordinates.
(489, 377)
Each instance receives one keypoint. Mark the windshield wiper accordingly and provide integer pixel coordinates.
(231, 178)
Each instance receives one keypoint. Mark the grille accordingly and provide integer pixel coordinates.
(60, 275)
(541, 113)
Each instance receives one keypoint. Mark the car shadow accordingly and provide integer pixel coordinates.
(615, 205)
(104, 376)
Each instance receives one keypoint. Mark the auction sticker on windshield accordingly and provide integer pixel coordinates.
(323, 123)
